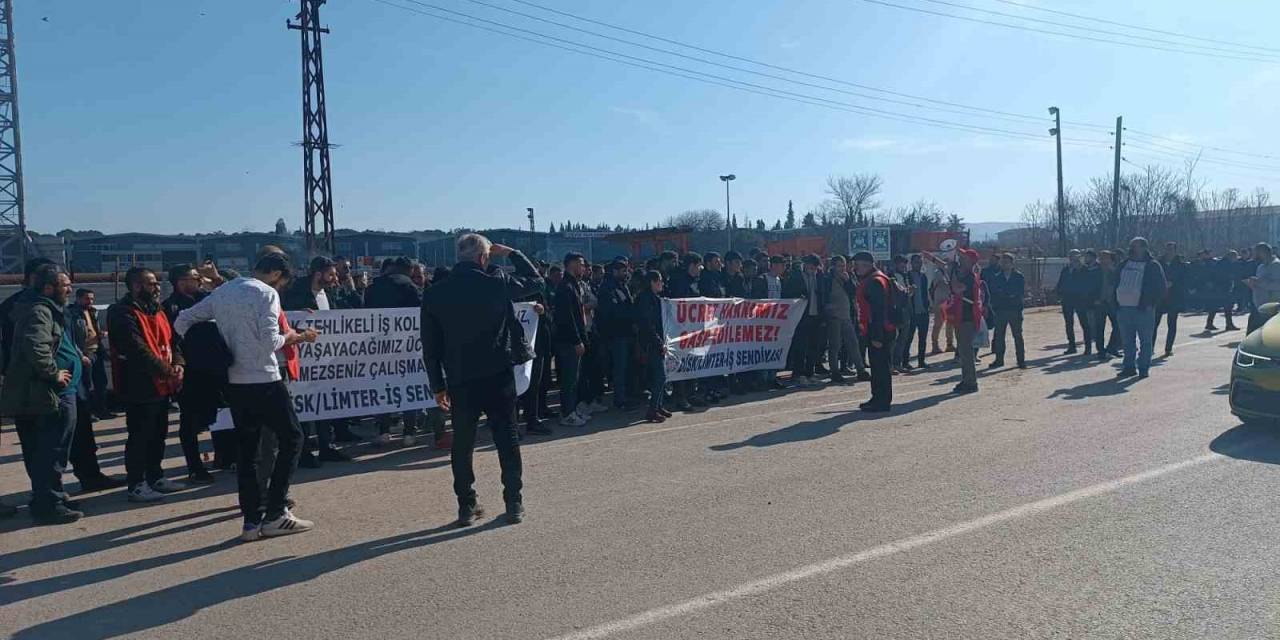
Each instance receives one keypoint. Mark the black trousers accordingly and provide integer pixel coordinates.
(880, 360)
(495, 397)
(256, 408)
(45, 440)
(921, 327)
(1009, 320)
(1170, 327)
(1225, 308)
(194, 419)
(535, 398)
(84, 447)
(1072, 311)
(807, 344)
(148, 426)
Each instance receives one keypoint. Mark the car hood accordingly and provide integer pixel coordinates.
(1265, 341)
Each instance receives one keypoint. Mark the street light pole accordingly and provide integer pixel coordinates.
(1056, 132)
(728, 216)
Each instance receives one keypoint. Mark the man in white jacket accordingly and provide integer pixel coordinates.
(248, 316)
(1265, 282)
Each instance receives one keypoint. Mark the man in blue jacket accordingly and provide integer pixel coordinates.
(1140, 287)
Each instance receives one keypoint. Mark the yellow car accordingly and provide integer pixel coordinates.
(1255, 374)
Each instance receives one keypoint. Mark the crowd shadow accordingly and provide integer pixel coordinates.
(172, 604)
(1252, 441)
(1099, 389)
(829, 426)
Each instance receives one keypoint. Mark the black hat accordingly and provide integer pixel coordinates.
(864, 256)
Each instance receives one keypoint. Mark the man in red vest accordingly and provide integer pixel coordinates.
(874, 300)
(147, 370)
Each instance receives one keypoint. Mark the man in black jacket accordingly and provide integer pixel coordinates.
(570, 337)
(1175, 299)
(687, 283)
(807, 343)
(312, 294)
(616, 324)
(1090, 287)
(1007, 289)
(875, 308)
(393, 290)
(196, 416)
(147, 368)
(1070, 290)
(82, 323)
(470, 342)
(653, 344)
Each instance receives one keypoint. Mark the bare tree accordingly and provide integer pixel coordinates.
(697, 220)
(855, 196)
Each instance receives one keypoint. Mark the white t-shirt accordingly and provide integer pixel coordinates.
(322, 300)
(1129, 288)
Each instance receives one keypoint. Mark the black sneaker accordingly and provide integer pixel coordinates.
(515, 512)
(468, 513)
(329, 454)
(101, 483)
(1127, 373)
(7, 510)
(963, 388)
(863, 376)
(870, 407)
(1070, 350)
(308, 460)
(59, 514)
(996, 364)
(1022, 364)
(200, 477)
(540, 428)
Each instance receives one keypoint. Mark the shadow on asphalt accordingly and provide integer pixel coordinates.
(1253, 441)
(1101, 388)
(824, 427)
(171, 604)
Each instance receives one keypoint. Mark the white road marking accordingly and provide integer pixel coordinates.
(838, 563)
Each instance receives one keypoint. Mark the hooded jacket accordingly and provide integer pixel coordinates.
(31, 378)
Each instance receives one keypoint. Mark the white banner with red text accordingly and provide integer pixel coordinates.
(369, 362)
(720, 336)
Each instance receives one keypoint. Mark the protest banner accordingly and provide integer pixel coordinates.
(368, 362)
(720, 336)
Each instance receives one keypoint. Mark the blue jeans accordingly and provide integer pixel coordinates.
(46, 442)
(620, 352)
(1137, 326)
(569, 362)
(657, 377)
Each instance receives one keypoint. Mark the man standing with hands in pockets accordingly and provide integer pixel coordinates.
(471, 339)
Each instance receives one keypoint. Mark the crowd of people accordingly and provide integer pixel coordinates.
(222, 340)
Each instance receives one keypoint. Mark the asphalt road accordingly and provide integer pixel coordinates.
(1055, 503)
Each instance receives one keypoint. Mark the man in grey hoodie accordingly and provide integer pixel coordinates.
(1265, 282)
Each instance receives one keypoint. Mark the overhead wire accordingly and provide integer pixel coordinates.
(776, 67)
(1200, 146)
(1094, 30)
(732, 83)
(1134, 26)
(1066, 34)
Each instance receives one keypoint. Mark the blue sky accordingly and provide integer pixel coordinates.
(176, 115)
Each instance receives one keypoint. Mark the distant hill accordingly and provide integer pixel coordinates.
(986, 231)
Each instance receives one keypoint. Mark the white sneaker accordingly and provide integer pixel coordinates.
(572, 420)
(286, 524)
(800, 381)
(599, 407)
(250, 532)
(144, 493)
(382, 440)
(164, 485)
(585, 415)
(410, 440)
(584, 409)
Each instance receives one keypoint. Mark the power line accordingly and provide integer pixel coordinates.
(1134, 26)
(1066, 34)
(679, 43)
(783, 68)
(1021, 119)
(1183, 154)
(1201, 146)
(1093, 30)
(1212, 170)
(732, 83)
